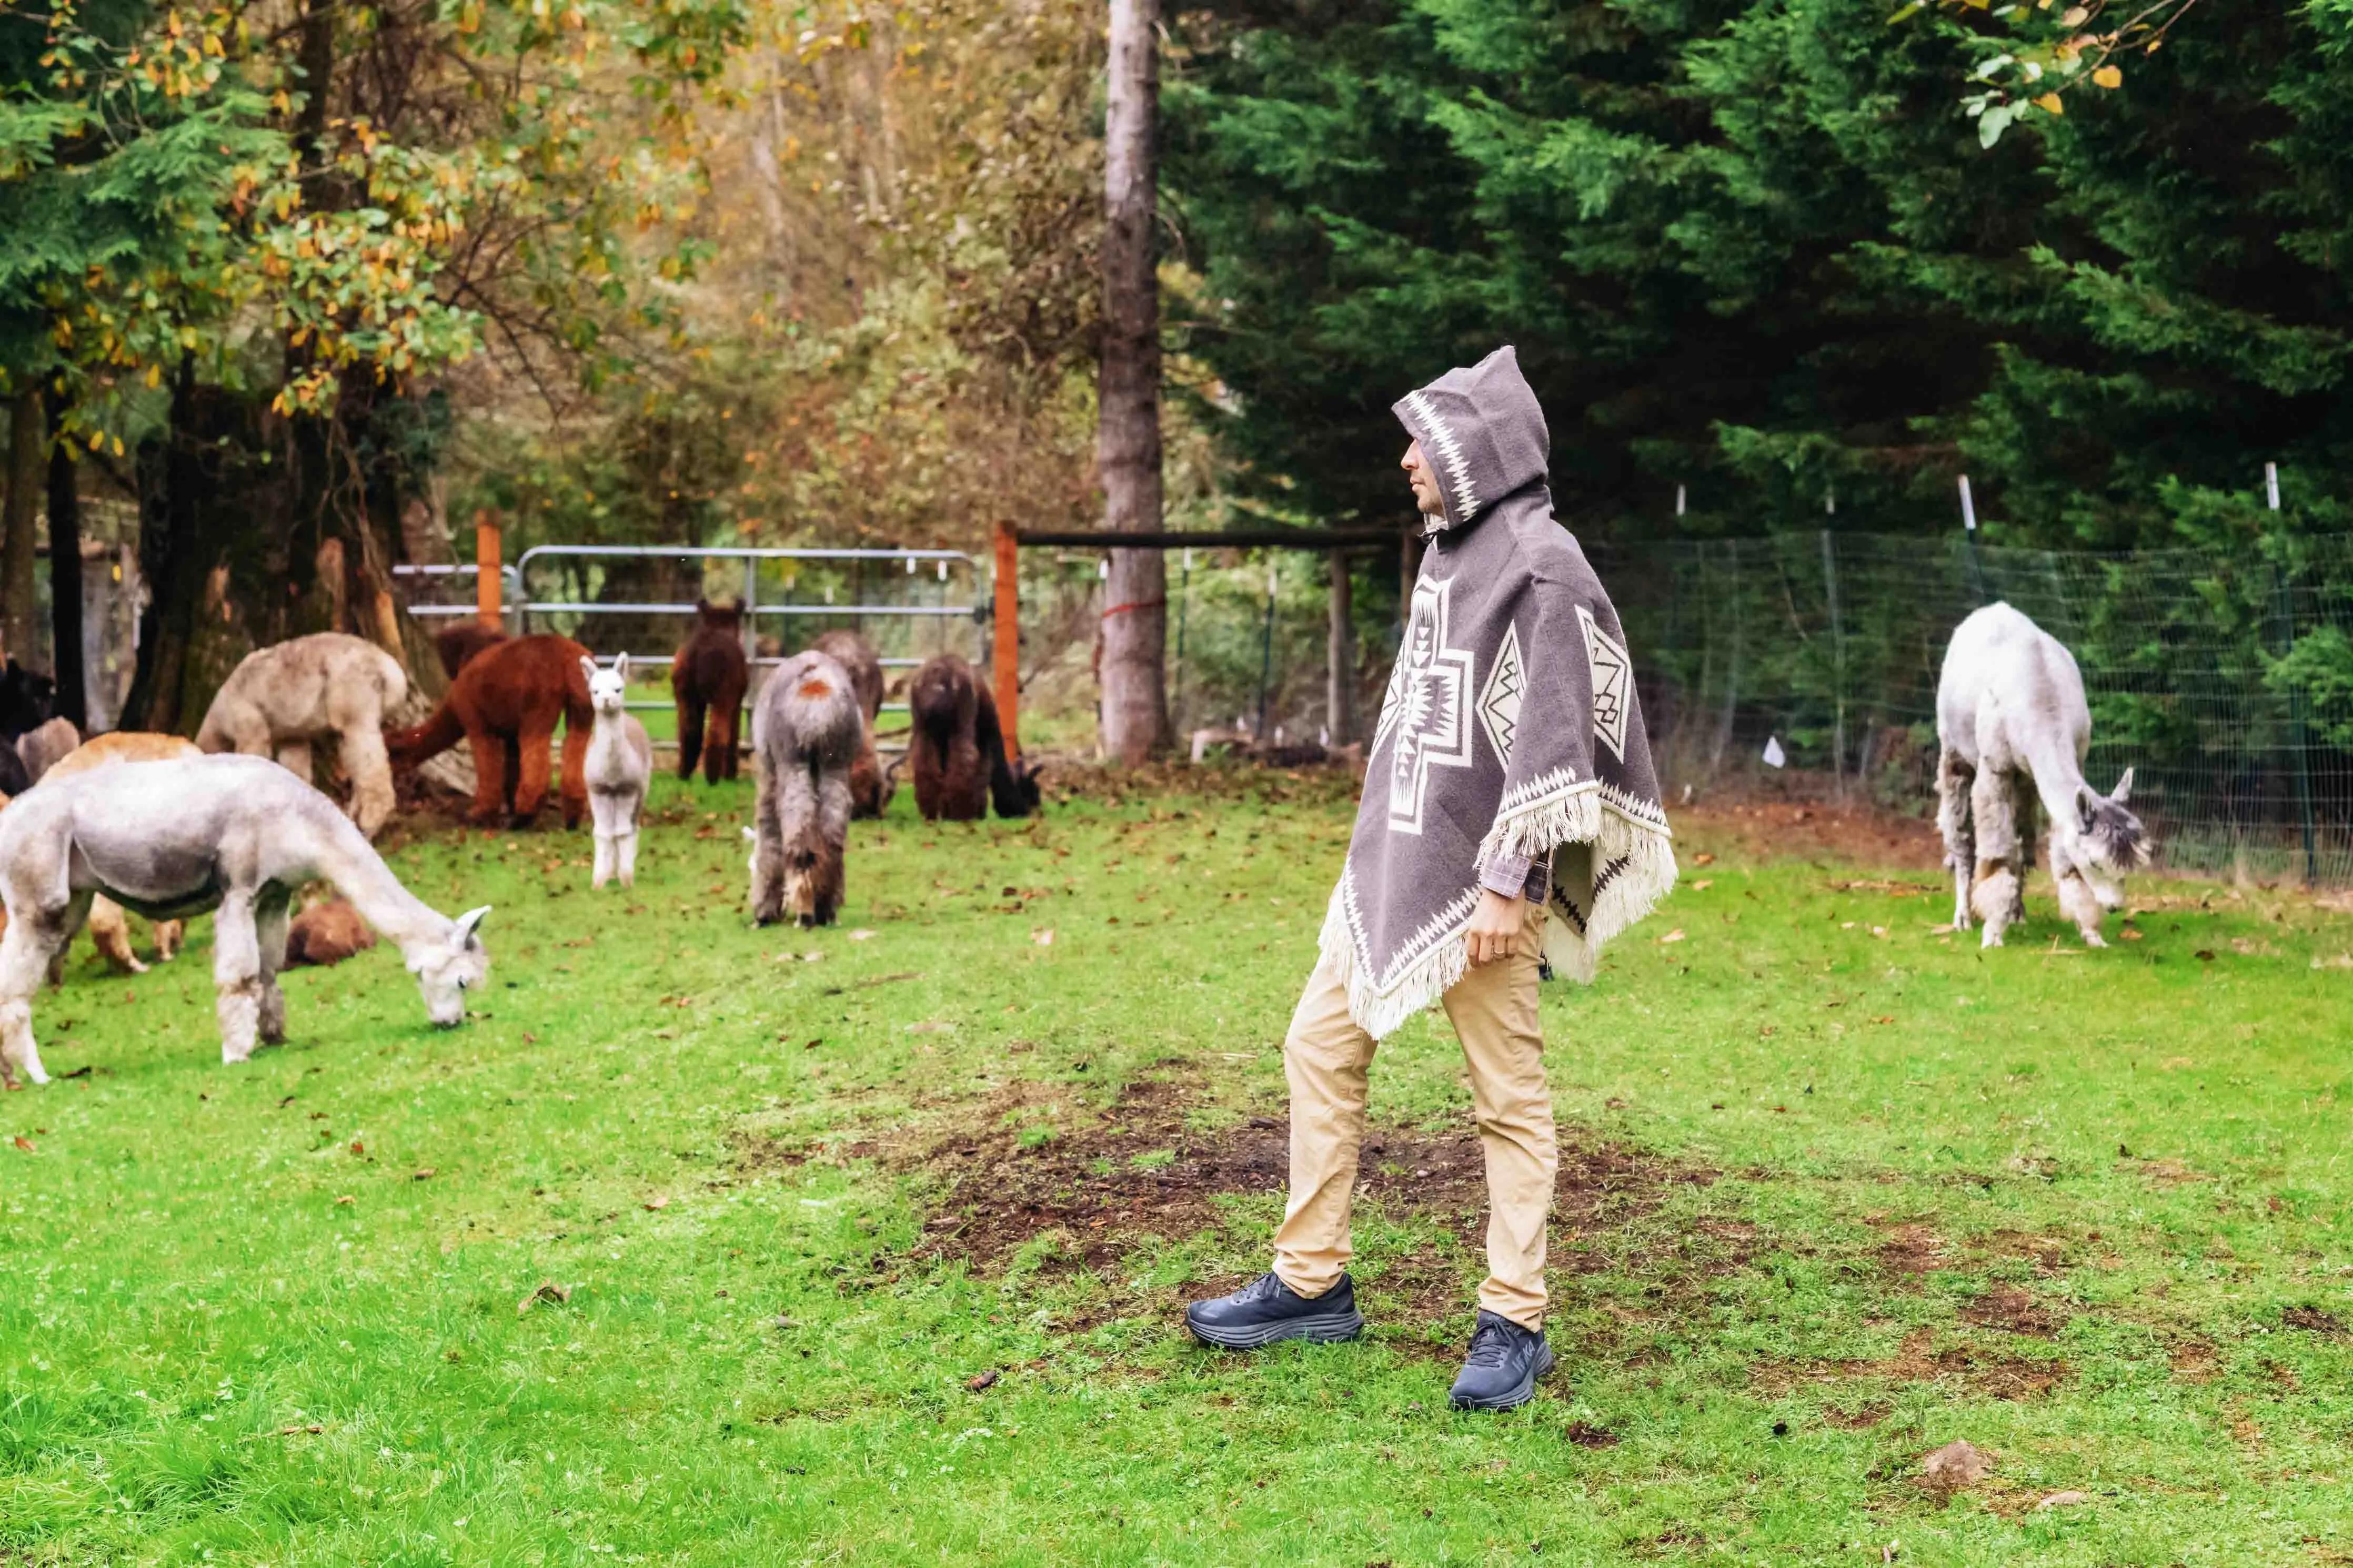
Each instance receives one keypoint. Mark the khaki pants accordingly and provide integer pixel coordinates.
(1326, 1055)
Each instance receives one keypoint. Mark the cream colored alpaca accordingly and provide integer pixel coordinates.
(282, 701)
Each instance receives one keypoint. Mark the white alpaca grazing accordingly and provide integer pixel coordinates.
(238, 835)
(620, 760)
(2014, 728)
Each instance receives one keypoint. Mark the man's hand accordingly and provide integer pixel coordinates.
(1495, 926)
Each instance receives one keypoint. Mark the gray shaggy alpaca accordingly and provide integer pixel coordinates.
(806, 729)
(2014, 726)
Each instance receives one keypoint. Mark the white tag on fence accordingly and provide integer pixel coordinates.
(1774, 757)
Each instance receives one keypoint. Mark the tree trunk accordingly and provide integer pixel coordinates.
(19, 525)
(1340, 659)
(65, 574)
(168, 559)
(1127, 445)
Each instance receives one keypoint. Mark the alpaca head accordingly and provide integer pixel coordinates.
(1016, 793)
(447, 966)
(728, 618)
(2105, 840)
(608, 689)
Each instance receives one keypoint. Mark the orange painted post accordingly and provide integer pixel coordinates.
(1004, 643)
(486, 568)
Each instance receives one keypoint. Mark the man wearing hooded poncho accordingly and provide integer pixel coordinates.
(1510, 819)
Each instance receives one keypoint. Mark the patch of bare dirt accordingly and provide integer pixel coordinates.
(1853, 834)
(1144, 1170)
(2194, 1361)
(2012, 1311)
(1985, 1373)
(2313, 1319)
(1911, 1250)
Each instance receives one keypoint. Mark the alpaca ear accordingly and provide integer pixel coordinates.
(588, 666)
(2087, 806)
(469, 924)
(2123, 792)
(621, 667)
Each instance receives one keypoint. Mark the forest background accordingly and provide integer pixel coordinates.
(304, 282)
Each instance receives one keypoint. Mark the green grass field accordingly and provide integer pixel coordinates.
(874, 1239)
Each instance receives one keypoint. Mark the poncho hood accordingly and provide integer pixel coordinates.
(1483, 431)
(1510, 727)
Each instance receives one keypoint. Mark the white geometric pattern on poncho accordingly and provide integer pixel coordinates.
(1499, 699)
(1613, 683)
(1428, 710)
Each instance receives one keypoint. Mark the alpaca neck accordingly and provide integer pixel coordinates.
(2058, 780)
(360, 874)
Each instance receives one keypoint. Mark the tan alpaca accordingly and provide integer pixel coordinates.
(110, 927)
(325, 687)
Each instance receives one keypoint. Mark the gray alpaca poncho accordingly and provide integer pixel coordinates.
(1510, 728)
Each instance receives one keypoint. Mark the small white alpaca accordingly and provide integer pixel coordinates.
(238, 835)
(2014, 728)
(620, 760)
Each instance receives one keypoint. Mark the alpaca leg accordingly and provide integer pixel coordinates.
(169, 935)
(270, 919)
(530, 787)
(489, 776)
(1994, 893)
(606, 809)
(626, 846)
(24, 954)
(237, 976)
(294, 756)
(110, 932)
(719, 754)
(2078, 900)
(364, 758)
(572, 790)
(1954, 778)
(690, 736)
(768, 897)
(833, 826)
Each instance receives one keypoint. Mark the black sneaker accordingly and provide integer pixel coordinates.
(1266, 1309)
(1502, 1368)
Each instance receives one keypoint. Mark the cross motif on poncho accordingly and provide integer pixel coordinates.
(1427, 706)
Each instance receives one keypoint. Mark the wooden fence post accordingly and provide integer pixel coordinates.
(1005, 639)
(486, 569)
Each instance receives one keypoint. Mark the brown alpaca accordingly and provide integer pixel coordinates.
(110, 927)
(957, 751)
(868, 792)
(457, 645)
(505, 704)
(709, 678)
(327, 932)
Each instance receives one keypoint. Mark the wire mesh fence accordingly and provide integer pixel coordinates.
(2225, 681)
(2223, 678)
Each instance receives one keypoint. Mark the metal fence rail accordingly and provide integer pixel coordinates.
(598, 583)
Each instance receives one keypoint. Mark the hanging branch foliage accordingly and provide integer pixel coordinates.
(2046, 51)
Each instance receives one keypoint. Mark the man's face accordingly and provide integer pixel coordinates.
(1425, 483)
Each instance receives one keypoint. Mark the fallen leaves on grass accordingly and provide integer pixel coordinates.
(23, 1142)
(981, 1383)
(422, 1173)
(546, 1290)
(930, 1027)
(1043, 936)
(1674, 935)
(346, 1198)
(2063, 1499)
(1703, 859)
(358, 1147)
(658, 1201)
(314, 1428)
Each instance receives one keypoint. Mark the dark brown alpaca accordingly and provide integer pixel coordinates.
(708, 678)
(456, 645)
(505, 704)
(957, 751)
(868, 794)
